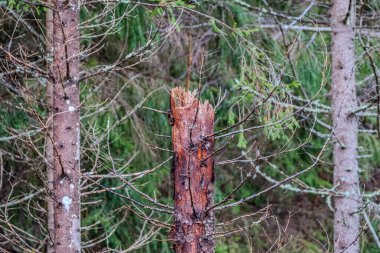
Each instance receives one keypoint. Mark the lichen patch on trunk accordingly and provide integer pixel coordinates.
(66, 202)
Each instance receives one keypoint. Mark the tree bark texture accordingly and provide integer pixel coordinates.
(66, 126)
(49, 144)
(344, 102)
(193, 172)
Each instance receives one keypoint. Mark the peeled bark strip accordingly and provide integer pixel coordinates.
(344, 101)
(66, 133)
(193, 172)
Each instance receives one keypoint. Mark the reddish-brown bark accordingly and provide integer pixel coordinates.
(193, 172)
(66, 133)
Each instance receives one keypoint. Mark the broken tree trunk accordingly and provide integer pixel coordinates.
(66, 126)
(193, 172)
(344, 102)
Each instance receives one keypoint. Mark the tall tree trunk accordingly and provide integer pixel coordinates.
(193, 172)
(49, 136)
(66, 126)
(344, 102)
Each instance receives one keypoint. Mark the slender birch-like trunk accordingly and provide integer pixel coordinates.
(66, 126)
(49, 143)
(193, 172)
(344, 102)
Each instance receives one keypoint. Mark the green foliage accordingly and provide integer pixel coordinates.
(242, 143)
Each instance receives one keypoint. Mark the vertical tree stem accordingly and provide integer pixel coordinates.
(344, 102)
(49, 136)
(193, 172)
(66, 126)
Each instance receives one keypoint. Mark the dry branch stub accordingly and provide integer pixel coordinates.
(193, 172)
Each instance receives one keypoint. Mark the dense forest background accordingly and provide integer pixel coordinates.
(273, 56)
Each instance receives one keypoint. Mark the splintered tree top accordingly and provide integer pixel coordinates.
(185, 100)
